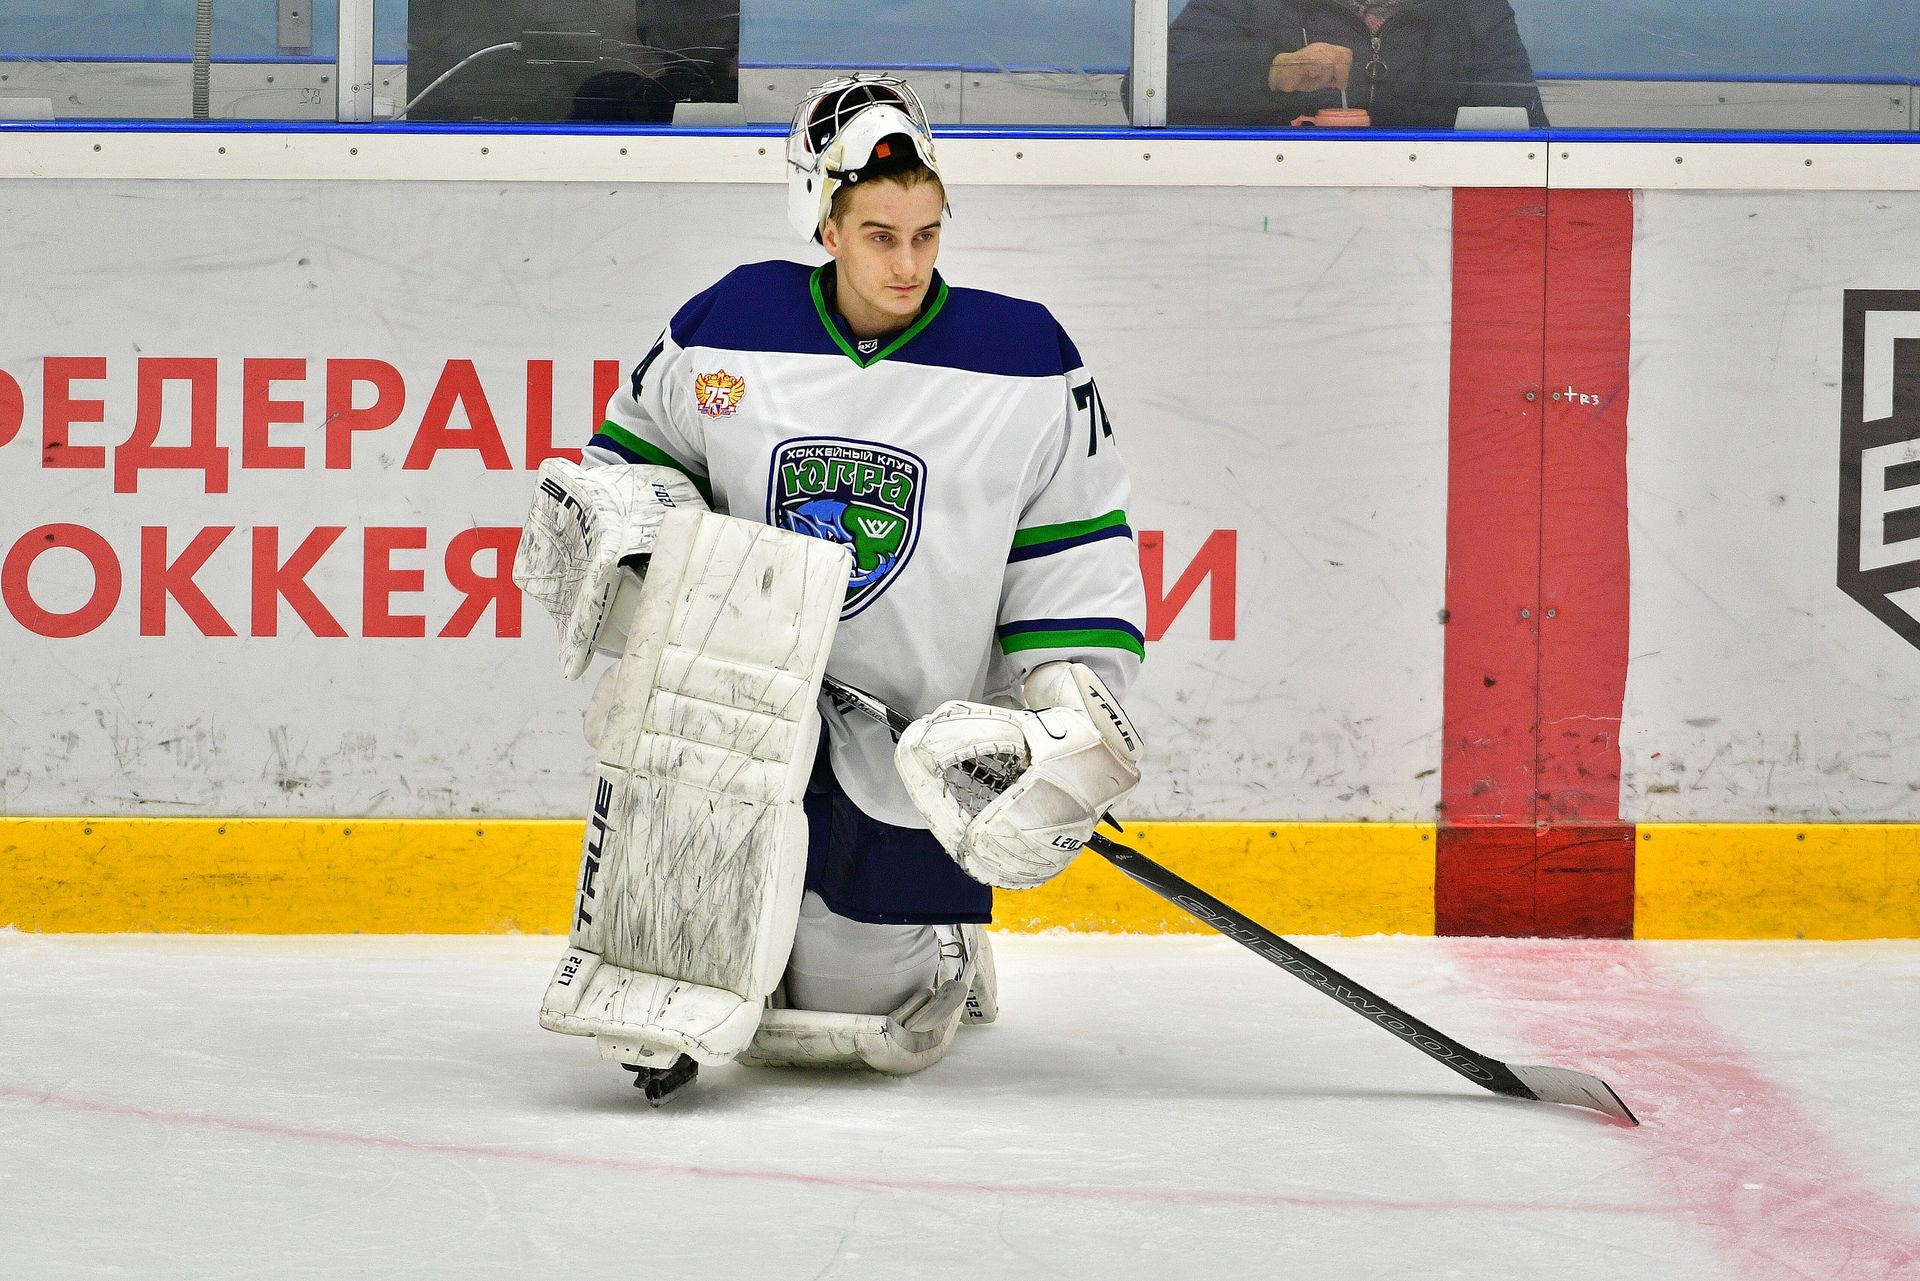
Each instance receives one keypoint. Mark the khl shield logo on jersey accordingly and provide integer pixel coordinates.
(1880, 456)
(863, 496)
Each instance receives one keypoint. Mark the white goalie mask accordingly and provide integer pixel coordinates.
(847, 130)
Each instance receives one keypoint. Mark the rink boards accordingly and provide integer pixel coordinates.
(1522, 558)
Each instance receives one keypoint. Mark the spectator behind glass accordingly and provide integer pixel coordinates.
(1406, 62)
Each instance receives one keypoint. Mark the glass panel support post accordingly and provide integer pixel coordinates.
(354, 74)
(1147, 79)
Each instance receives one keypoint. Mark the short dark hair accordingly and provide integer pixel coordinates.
(908, 176)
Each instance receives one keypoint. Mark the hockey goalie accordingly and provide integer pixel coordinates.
(857, 470)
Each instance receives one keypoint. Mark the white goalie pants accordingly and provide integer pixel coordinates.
(851, 967)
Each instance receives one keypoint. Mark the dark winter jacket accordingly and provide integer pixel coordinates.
(1428, 60)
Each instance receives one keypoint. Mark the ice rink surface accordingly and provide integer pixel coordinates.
(383, 1107)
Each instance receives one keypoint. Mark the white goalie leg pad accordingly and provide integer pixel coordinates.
(910, 1038)
(695, 856)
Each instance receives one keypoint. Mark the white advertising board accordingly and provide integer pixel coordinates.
(1757, 689)
(264, 445)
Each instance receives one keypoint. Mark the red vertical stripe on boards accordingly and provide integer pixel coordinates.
(1519, 880)
(1483, 879)
(1530, 840)
(1585, 870)
(1493, 506)
(1483, 882)
(1583, 880)
(1583, 527)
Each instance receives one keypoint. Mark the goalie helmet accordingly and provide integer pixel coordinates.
(847, 130)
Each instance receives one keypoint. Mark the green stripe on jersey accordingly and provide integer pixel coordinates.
(1088, 638)
(1066, 529)
(659, 457)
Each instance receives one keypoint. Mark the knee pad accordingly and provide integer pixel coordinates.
(909, 1038)
(854, 967)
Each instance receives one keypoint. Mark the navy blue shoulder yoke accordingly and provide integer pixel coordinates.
(767, 306)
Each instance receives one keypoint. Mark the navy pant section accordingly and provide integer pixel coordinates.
(882, 874)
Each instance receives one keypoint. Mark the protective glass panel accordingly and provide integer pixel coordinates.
(639, 61)
(698, 62)
(1832, 65)
(168, 60)
(1063, 62)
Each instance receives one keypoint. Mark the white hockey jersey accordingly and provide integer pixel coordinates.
(966, 463)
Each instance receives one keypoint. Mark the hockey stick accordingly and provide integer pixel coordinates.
(1515, 1080)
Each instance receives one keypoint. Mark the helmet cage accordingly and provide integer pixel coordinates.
(828, 108)
(836, 136)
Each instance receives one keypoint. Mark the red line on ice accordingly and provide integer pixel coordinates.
(628, 1165)
(1740, 1158)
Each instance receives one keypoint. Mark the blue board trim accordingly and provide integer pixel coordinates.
(1728, 77)
(271, 60)
(965, 68)
(1302, 136)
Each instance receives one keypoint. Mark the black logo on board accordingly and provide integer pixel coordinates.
(1880, 456)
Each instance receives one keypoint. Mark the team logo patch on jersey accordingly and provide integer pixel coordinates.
(717, 395)
(863, 496)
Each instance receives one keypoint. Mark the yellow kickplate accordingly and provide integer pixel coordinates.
(1777, 880)
(1293, 878)
(445, 876)
(287, 876)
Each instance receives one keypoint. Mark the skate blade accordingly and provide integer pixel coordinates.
(661, 1084)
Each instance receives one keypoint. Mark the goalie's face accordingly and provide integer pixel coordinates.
(883, 243)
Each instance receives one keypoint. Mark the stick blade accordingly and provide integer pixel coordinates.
(1581, 1090)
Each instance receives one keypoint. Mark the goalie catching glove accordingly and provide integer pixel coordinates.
(583, 524)
(1013, 795)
